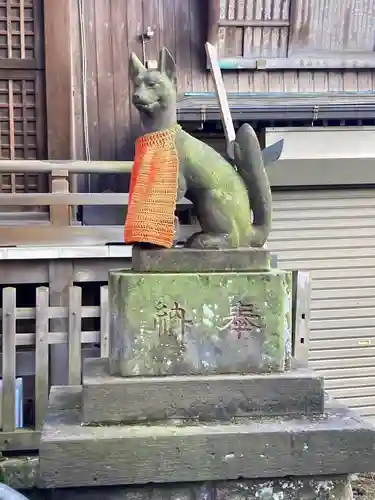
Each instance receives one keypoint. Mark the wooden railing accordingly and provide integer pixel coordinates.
(41, 337)
(12, 438)
(61, 227)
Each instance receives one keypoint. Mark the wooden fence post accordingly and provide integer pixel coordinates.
(74, 335)
(9, 360)
(41, 355)
(104, 322)
(60, 215)
(301, 315)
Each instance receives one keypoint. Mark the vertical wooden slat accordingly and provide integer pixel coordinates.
(197, 38)
(22, 28)
(150, 20)
(78, 141)
(239, 34)
(230, 31)
(248, 32)
(9, 359)
(284, 32)
(134, 27)
(58, 77)
(120, 53)
(301, 314)
(25, 130)
(266, 49)
(40, 113)
(258, 32)
(221, 44)
(11, 132)
(38, 16)
(320, 81)
(74, 335)
(213, 21)
(9, 29)
(105, 68)
(168, 30)
(92, 80)
(104, 322)
(350, 81)
(365, 80)
(183, 47)
(41, 355)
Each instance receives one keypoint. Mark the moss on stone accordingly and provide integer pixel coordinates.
(209, 344)
(19, 472)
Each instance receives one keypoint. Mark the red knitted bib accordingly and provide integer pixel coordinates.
(153, 190)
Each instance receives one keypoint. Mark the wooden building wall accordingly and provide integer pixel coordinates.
(112, 28)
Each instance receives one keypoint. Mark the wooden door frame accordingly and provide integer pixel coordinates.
(58, 78)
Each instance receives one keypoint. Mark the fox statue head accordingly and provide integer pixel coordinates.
(154, 90)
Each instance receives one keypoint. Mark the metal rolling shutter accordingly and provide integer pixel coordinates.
(332, 234)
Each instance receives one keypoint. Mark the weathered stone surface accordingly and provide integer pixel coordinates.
(19, 472)
(303, 488)
(107, 398)
(72, 455)
(315, 488)
(199, 323)
(198, 260)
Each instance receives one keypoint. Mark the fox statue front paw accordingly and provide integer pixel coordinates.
(208, 241)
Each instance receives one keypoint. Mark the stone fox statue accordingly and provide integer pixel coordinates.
(170, 164)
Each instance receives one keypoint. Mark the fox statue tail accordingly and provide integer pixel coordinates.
(248, 159)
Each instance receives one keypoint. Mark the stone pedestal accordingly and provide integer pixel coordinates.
(190, 323)
(200, 400)
(258, 442)
(108, 399)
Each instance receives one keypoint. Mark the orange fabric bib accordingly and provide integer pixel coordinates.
(153, 190)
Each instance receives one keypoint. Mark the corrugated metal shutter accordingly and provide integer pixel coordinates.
(332, 234)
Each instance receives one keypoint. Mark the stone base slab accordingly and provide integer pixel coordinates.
(72, 455)
(199, 323)
(301, 488)
(196, 260)
(110, 399)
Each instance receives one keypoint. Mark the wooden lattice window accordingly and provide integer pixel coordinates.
(293, 34)
(21, 34)
(22, 108)
(20, 134)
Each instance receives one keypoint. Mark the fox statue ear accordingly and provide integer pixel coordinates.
(167, 65)
(135, 66)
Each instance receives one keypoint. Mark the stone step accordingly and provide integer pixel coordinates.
(72, 455)
(196, 260)
(291, 488)
(111, 399)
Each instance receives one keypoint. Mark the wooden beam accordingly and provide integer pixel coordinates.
(323, 61)
(226, 117)
(72, 166)
(70, 199)
(59, 87)
(71, 235)
(243, 23)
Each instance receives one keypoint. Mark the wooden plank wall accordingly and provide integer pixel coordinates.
(112, 28)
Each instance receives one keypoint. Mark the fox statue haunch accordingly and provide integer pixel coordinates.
(223, 196)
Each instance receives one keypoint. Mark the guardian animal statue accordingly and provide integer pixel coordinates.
(170, 164)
